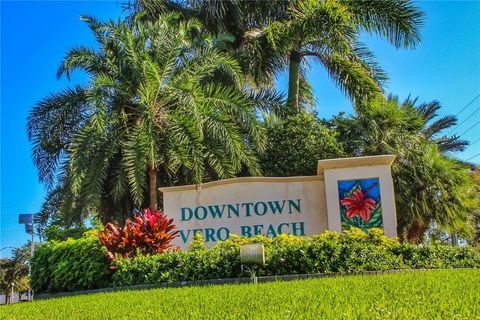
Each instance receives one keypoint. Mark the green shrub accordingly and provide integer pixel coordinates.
(312, 141)
(82, 264)
(74, 264)
(56, 232)
(437, 256)
(329, 252)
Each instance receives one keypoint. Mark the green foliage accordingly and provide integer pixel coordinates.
(74, 264)
(474, 215)
(15, 270)
(83, 264)
(198, 243)
(437, 256)
(153, 103)
(295, 144)
(353, 250)
(272, 36)
(58, 233)
(440, 294)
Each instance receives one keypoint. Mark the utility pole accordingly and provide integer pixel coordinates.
(29, 221)
(32, 248)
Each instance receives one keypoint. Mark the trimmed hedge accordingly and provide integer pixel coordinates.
(71, 265)
(329, 252)
(82, 264)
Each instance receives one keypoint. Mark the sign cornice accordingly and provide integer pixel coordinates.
(339, 163)
(240, 180)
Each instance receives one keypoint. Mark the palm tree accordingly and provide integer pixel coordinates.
(270, 36)
(233, 21)
(153, 108)
(431, 187)
(328, 32)
(432, 129)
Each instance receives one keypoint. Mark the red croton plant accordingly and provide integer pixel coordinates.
(148, 233)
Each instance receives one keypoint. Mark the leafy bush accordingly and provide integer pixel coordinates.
(83, 263)
(74, 264)
(149, 233)
(310, 139)
(329, 252)
(56, 232)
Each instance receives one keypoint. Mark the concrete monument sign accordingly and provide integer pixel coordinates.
(345, 192)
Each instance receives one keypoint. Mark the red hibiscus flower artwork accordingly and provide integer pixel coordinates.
(360, 204)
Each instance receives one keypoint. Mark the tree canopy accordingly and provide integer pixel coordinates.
(184, 92)
(152, 109)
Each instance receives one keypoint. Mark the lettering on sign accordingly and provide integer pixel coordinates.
(247, 207)
(243, 210)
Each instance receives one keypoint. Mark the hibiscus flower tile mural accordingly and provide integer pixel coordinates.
(360, 203)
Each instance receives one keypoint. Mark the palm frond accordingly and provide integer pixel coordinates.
(352, 77)
(427, 110)
(51, 125)
(398, 21)
(451, 144)
(439, 125)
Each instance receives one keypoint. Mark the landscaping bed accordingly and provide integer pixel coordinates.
(82, 264)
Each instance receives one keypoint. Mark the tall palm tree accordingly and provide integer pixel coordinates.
(329, 31)
(270, 36)
(152, 108)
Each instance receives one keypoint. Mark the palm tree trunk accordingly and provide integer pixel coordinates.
(293, 83)
(152, 174)
(416, 232)
(454, 239)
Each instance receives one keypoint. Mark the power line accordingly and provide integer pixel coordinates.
(478, 154)
(467, 105)
(471, 144)
(468, 129)
(458, 125)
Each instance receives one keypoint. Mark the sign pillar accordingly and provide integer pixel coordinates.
(359, 193)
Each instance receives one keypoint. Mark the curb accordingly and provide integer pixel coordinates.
(242, 280)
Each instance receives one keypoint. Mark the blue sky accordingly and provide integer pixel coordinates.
(35, 36)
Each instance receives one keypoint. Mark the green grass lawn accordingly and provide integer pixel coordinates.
(442, 294)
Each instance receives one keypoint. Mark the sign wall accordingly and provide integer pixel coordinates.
(270, 206)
